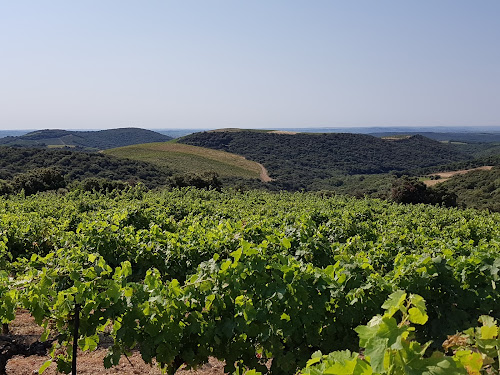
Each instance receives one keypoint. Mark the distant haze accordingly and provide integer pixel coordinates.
(250, 64)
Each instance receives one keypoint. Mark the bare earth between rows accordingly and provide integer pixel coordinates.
(24, 329)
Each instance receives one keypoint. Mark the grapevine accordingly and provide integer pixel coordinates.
(248, 278)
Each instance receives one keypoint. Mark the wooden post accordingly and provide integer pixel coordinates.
(75, 338)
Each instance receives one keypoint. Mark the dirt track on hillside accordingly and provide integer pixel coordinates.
(264, 175)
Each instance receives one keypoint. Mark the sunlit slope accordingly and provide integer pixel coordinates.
(187, 158)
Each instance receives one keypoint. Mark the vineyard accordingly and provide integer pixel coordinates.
(262, 281)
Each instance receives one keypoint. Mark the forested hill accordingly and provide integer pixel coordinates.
(79, 165)
(296, 160)
(478, 189)
(96, 140)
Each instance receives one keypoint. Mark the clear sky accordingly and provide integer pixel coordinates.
(248, 63)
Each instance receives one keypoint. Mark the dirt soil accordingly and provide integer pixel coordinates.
(445, 176)
(283, 132)
(24, 329)
(264, 175)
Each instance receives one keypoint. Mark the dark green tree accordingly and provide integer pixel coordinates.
(41, 179)
(206, 180)
(408, 190)
(411, 190)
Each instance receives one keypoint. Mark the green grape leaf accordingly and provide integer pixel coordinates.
(375, 350)
(175, 287)
(389, 329)
(395, 302)
(346, 368)
(107, 361)
(126, 268)
(209, 300)
(473, 362)
(438, 364)
(366, 333)
(417, 316)
(418, 313)
(317, 354)
(128, 292)
(253, 372)
(113, 292)
(285, 316)
(88, 343)
(237, 254)
(489, 330)
(45, 335)
(45, 366)
(286, 243)
(362, 368)
(313, 361)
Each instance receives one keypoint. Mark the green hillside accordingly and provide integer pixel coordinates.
(184, 158)
(94, 140)
(76, 165)
(478, 189)
(308, 161)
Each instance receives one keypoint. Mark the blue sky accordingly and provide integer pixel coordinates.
(275, 63)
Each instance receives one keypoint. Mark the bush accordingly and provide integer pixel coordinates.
(41, 179)
(206, 180)
(5, 188)
(101, 185)
(411, 190)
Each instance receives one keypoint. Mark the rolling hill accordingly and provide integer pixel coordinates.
(184, 158)
(79, 165)
(311, 161)
(478, 188)
(90, 140)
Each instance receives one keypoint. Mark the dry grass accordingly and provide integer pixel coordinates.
(283, 132)
(445, 176)
(185, 158)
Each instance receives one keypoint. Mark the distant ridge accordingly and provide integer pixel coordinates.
(468, 137)
(315, 160)
(90, 140)
(237, 130)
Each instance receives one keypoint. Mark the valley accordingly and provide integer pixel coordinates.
(342, 163)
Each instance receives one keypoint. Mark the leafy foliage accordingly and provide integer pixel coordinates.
(37, 180)
(246, 277)
(19, 166)
(100, 185)
(207, 180)
(388, 346)
(411, 190)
